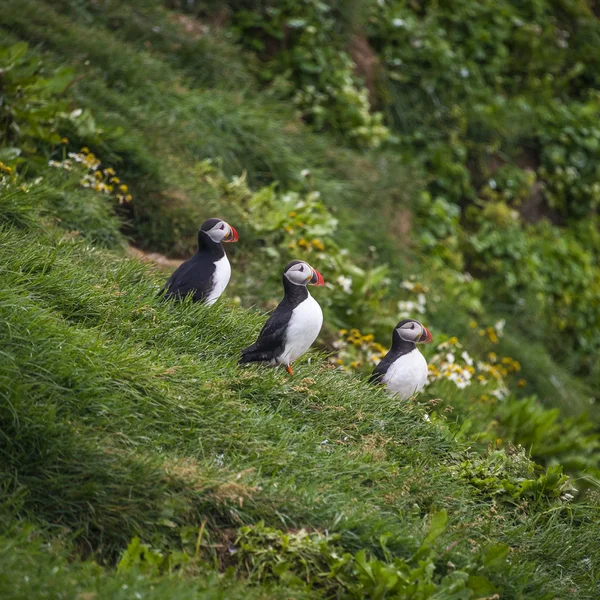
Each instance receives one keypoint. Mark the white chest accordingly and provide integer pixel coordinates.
(407, 375)
(220, 280)
(303, 329)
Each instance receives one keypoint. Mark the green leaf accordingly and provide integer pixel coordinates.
(437, 527)
(9, 153)
(18, 50)
(481, 586)
(496, 555)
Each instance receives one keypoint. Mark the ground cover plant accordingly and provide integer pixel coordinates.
(138, 458)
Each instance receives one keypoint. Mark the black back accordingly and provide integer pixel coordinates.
(195, 275)
(398, 349)
(272, 338)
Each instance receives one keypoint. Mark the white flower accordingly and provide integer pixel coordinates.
(346, 283)
(499, 326)
(426, 418)
(450, 357)
(398, 22)
(76, 113)
(305, 172)
(464, 72)
(407, 285)
(465, 356)
(492, 183)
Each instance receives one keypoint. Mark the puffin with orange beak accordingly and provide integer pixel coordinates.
(294, 325)
(404, 369)
(206, 275)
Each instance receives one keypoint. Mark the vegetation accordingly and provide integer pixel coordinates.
(430, 165)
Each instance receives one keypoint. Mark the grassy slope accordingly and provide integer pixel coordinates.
(121, 416)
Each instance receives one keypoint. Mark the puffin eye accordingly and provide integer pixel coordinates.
(302, 268)
(412, 326)
(222, 226)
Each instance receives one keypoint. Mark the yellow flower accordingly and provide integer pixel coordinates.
(64, 140)
(303, 243)
(109, 171)
(493, 357)
(291, 214)
(289, 229)
(128, 198)
(5, 168)
(355, 364)
(453, 341)
(98, 175)
(521, 383)
(115, 180)
(491, 333)
(123, 188)
(368, 338)
(343, 331)
(473, 325)
(85, 150)
(318, 244)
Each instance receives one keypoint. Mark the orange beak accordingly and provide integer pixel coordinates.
(426, 337)
(317, 278)
(232, 236)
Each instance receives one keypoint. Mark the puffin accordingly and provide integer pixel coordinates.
(403, 370)
(207, 273)
(294, 325)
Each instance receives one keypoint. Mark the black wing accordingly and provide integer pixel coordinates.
(381, 369)
(194, 276)
(271, 340)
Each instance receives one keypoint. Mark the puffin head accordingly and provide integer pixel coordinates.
(299, 272)
(410, 330)
(218, 231)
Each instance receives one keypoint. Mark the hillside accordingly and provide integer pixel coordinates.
(139, 460)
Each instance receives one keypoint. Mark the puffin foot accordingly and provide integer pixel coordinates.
(289, 369)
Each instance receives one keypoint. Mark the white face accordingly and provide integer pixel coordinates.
(299, 274)
(411, 331)
(219, 231)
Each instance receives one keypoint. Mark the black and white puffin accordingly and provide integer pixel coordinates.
(404, 369)
(295, 323)
(207, 273)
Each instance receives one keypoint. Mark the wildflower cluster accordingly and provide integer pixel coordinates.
(6, 175)
(357, 352)
(452, 363)
(492, 333)
(104, 181)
